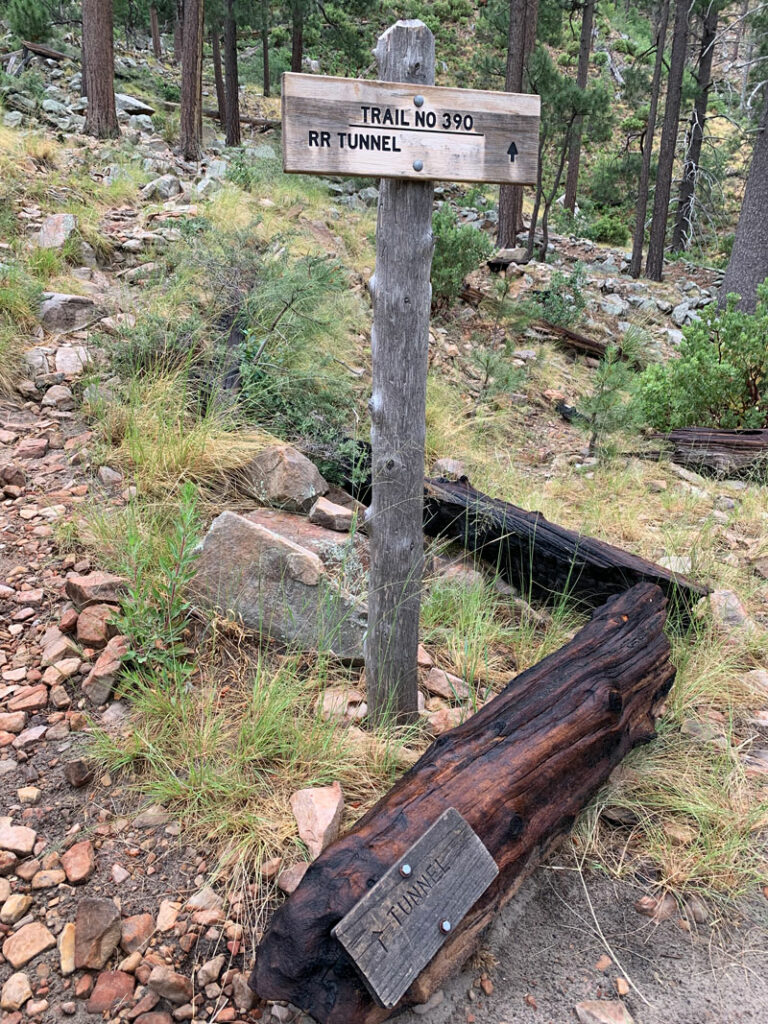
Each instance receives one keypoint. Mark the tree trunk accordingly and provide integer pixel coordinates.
(191, 81)
(98, 50)
(297, 35)
(683, 231)
(645, 171)
(519, 771)
(401, 294)
(748, 265)
(178, 33)
(221, 101)
(582, 77)
(523, 18)
(740, 30)
(654, 266)
(265, 45)
(154, 24)
(233, 85)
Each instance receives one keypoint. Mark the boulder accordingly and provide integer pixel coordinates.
(277, 587)
(56, 229)
(280, 475)
(165, 187)
(61, 312)
(58, 397)
(130, 105)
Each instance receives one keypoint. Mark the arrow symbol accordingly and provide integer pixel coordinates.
(512, 152)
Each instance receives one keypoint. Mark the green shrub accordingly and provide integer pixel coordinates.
(458, 250)
(29, 19)
(564, 301)
(609, 228)
(721, 376)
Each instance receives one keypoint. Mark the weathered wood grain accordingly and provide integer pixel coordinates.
(721, 453)
(399, 925)
(400, 289)
(456, 134)
(518, 771)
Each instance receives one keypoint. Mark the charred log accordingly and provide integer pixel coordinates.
(519, 771)
(721, 453)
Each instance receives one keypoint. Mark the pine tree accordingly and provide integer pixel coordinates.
(232, 119)
(582, 75)
(192, 81)
(99, 69)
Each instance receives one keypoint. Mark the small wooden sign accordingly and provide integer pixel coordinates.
(396, 928)
(394, 130)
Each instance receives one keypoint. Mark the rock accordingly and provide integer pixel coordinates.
(32, 447)
(339, 702)
(280, 475)
(614, 305)
(112, 990)
(101, 679)
(16, 991)
(318, 812)
(151, 817)
(13, 721)
(288, 880)
(166, 917)
(29, 698)
(8, 861)
(242, 995)
(445, 685)
(58, 397)
(332, 517)
(681, 313)
(277, 588)
(162, 188)
(452, 469)
(445, 720)
(17, 839)
(757, 680)
(14, 908)
(56, 229)
(28, 795)
(79, 862)
(729, 613)
(109, 477)
(160, 1017)
(71, 360)
(677, 563)
(603, 1011)
(78, 773)
(60, 312)
(211, 970)
(48, 879)
(67, 949)
(97, 932)
(660, 908)
(100, 587)
(136, 932)
(93, 628)
(131, 105)
(170, 985)
(28, 942)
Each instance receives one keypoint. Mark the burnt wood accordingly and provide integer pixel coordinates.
(721, 453)
(541, 559)
(575, 341)
(399, 925)
(518, 771)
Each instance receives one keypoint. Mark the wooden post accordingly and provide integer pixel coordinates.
(401, 294)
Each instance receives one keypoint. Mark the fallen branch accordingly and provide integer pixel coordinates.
(265, 123)
(582, 343)
(722, 453)
(46, 51)
(519, 771)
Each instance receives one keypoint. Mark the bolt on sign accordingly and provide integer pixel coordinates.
(394, 130)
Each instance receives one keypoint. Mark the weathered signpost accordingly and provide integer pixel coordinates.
(409, 133)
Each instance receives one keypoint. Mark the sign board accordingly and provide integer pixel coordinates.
(393, 932)
(395, 130)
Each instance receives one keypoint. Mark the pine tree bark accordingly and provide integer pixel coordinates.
(218, 77)
(265, 44)
(154, 24)
(582, 77)
(191, 81)
(645, 171)
(297, 35)
(178, 33)
(523, 20)
(654, 267)
(233, 85)
(748, 265)
(99, 71)
(683, 231)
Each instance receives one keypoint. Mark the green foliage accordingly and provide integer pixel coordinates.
(29, 19)
(564, 301)
(609, 228)
(611, 406)
(612, 182)
(721, 376)
(288, 384)
(156, 344)
(459, 249)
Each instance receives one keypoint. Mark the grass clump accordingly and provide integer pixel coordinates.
(19, 300)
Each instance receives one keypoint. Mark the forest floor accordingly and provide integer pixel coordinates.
(126, 876)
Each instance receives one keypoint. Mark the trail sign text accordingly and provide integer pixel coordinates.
(393, 130)
(396, 929)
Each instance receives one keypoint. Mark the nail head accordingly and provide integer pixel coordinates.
(418, 101)
(405, 870)
(445, 927)
(418, 165)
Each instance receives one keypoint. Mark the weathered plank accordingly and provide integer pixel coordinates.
(392, 130)
(518, 771)
(397, 927)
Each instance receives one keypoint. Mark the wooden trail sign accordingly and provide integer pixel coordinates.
(396, 929)
(392, 130)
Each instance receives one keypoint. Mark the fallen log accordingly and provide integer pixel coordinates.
(265, 123)
(541, 559)
(721, 453)
(519, 771)
(46, 51)
(582, 343)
